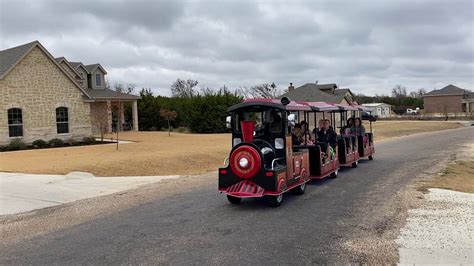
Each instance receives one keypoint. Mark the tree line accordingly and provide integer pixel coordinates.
(399, 98)
(197, 110)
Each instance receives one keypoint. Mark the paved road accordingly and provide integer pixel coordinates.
(200, 227)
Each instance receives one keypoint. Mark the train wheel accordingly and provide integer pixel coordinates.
(334, 174)
(354, 164)
(299, 190)
(371, 157)
(234, 200)
(275, 201)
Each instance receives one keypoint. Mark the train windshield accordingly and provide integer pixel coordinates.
(268, 120)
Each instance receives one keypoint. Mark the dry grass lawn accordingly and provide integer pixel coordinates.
(155, 153)
(390, 129)
(457, 176)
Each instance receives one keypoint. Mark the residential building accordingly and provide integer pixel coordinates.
(312, 92)
(450, 99)
(382, 110)
(42, 97)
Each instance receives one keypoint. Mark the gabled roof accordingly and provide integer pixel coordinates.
(91, 68)
(312, 92)
(9, 58)
(448, 90)
(78, 65)
(63, 59)
(107, 94)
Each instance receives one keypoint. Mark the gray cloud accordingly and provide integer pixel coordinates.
(369, 46)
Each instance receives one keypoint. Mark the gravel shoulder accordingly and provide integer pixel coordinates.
(439, 228)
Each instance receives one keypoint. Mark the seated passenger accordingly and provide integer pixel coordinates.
(320, 127)
(297, 135)
(346, 130)
(305, 132)
(275, 122)
(328, 136)
(358, 129)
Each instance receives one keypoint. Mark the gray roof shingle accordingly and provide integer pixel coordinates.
(448, 90)
(103, 94)
(312, 92)
(76, 64)
(9, 57)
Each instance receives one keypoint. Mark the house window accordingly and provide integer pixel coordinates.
(62, 120)
(98, 80)
(15, 122)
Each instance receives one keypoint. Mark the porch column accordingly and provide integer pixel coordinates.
(135, 115)
(122, 115)
(109, 116)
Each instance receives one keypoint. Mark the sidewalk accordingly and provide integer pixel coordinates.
(26, 192)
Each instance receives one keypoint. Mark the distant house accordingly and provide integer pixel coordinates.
(382, 110)
(312, 92)
(450, 99)
(42, 97)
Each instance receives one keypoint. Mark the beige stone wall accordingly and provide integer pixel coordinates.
(100, 117)
(38, 87)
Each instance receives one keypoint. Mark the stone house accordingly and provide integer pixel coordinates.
(312, 92)
(42, 97)
(449, 100)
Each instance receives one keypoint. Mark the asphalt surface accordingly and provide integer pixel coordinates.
(199, 226)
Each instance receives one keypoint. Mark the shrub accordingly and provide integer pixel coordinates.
(88, 140)
(39, 144)
(72, 142)
(16, 144)
(56, 142)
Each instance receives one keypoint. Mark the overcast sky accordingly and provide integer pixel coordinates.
(368, 46)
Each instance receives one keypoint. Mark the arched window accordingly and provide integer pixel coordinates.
(62, 120)
(15, 122)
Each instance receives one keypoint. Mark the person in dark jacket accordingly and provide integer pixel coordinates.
(327, 134)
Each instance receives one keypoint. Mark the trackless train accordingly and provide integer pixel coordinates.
(265, 161)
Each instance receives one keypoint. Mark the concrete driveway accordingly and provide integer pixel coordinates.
(25, 192)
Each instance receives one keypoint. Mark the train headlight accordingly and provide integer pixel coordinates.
(244, 162)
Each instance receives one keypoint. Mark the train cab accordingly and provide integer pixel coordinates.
(263, 161)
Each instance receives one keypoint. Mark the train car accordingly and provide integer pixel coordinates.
(347, 145)
(263, 162)
(323, 163)
(366, 143)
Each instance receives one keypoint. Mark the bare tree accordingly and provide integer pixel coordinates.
(420, 92)
(101, 120)
(207, 91)
(399, 92)
(184, 88)
(260, 91)
(169, 116)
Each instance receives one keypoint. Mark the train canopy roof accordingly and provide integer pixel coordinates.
(362, 108)
(321, 106)
(272, 103)
(343, 107)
